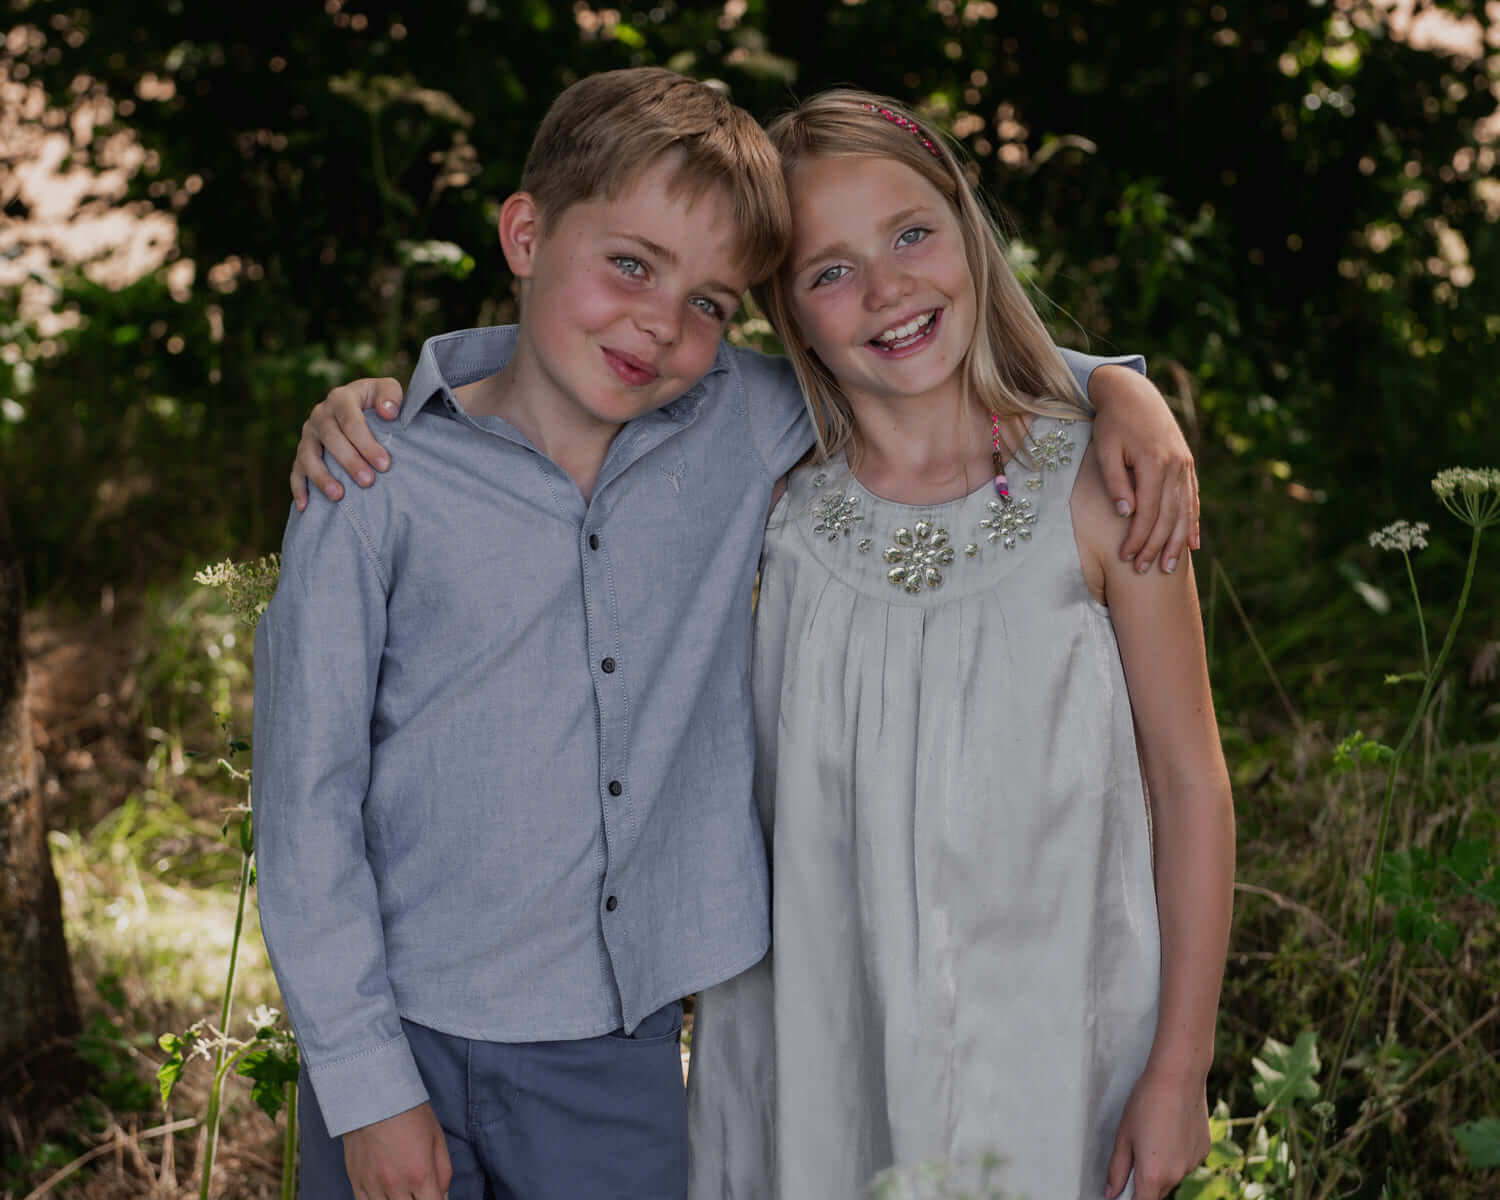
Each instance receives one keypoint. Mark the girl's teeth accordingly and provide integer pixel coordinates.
(905, 331)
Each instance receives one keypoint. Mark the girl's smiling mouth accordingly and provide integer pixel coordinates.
(909, 335)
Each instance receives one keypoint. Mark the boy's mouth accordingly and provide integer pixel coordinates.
(631, 370)
(909, 334)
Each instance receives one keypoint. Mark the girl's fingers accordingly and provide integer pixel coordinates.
(1144, 540)
(1119, 1168)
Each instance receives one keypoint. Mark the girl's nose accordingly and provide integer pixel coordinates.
(886, 284)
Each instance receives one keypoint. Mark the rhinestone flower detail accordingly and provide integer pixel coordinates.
(1007, 522)
(836, 515)
(918, 556)
(1052, 451)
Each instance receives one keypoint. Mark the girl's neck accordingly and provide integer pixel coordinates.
(914, 455)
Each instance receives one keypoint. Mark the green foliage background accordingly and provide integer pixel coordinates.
(1288, 205)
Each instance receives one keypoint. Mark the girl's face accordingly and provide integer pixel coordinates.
(878, 279)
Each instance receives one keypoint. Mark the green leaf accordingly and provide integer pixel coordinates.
(1469, 860)
(1201, 1186)
(178, 1049)
(1286, 1074)
(1480, 1141)
(270, 1068)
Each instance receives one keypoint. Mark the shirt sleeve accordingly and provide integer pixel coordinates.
(779, 424)
(317, 658)
(1084, 365)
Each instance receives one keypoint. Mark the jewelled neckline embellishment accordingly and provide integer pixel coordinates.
(918, 556)
(837, 514)
(1009, 520)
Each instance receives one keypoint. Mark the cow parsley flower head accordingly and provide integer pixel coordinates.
(1404, 536)
(1472, 494)
(248, 586)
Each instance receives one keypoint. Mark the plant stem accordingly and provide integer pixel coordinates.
(211, 1121)
(1371, 959)
(1421, 621)
(289, 1146)
(1265, 661)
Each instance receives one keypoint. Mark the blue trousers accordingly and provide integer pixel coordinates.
(602, 1118)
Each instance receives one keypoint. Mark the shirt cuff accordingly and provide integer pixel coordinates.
(1135, 362)
(369, 1087)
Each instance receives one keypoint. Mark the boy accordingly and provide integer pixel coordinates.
(503, 748)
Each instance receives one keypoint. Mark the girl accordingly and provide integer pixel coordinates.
(987, 944)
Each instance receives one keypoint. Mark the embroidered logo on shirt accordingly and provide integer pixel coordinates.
(675, 473)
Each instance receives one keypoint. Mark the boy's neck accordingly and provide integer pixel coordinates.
(578, 449)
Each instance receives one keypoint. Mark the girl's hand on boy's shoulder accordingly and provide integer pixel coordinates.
(1147, 467)
(1163, 1134)
(337, 426)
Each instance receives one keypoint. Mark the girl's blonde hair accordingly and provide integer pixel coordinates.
(1011, 367)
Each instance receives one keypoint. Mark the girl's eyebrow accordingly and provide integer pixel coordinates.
(837, 249)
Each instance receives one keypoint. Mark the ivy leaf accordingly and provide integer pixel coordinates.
(1480, 1141)
(1285, 1074)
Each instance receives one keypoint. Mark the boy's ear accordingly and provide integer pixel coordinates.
(520, 229)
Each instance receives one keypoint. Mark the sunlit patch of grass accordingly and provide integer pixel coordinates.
(136, 907)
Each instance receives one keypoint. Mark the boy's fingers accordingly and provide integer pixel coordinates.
(1142, 541)
(1117, 484)
(1180, 538)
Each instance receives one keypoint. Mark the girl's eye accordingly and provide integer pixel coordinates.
(831, 275)
(632, 267)
(709, 307)
(912, 236)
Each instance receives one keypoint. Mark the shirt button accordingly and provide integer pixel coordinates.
(614, 787)
(593, 541)
(608, 666)
(611, 904)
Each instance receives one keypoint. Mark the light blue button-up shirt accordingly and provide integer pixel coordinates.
(503, 747)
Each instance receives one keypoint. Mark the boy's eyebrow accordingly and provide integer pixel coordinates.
(663, 253)
(899, 218)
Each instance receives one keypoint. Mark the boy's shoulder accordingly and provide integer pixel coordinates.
(759, 370)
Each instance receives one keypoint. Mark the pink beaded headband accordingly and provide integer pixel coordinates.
(909, 125)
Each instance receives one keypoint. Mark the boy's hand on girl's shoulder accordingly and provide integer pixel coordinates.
(1163, 1134)
(1147, 466)
(337, 426)
(404, 1157)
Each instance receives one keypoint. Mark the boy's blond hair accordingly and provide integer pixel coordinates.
(1011, 367)
(601, 132)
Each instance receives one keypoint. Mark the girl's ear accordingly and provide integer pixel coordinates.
(520, 228)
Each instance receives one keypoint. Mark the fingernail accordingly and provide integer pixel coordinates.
(1170, 565)
(331, 492)
(382, 462)
(301, 505)
(388, 407)
(366, 479)
(1143, 565)
(1122, 507)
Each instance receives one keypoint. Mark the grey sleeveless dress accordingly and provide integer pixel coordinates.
(965, 955)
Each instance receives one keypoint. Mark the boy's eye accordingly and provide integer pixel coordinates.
(633, 267)
(832, 275)
(710, 307)
(910, 237)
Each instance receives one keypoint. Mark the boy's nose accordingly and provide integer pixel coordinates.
(660, 322)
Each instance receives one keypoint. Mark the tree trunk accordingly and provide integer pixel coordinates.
(38, 1009)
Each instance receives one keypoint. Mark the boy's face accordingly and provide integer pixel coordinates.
(624, 299)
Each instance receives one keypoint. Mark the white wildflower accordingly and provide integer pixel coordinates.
(1472, 494)
(1404, 536)
(248, 586)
